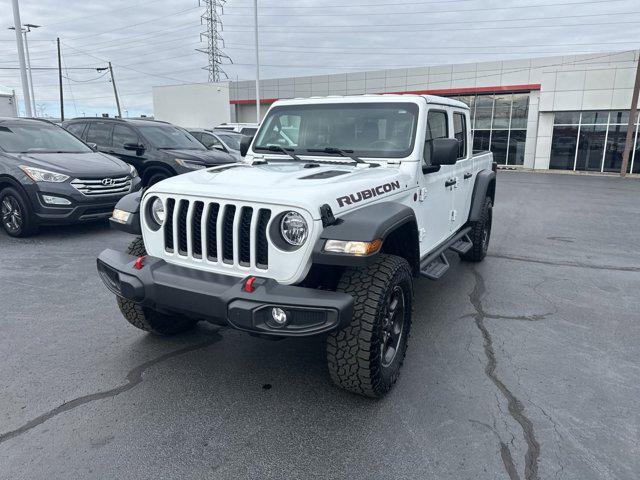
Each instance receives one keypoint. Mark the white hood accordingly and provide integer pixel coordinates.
(342, 187)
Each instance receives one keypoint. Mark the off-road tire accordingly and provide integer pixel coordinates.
(145, 318)
(354, 353)
(27, 223)
(479, 229)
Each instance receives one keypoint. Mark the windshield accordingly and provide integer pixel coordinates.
(231, 141)
(169, 137)
(39, 137)
(367, 129)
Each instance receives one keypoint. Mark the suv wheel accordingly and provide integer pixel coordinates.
(16, 214)
(145, 318)
(480, 234)
(155, 176)
(366, 356)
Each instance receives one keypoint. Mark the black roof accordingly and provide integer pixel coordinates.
(111, 119)
(26, 120)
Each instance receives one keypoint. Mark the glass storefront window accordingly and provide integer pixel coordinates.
(484, 112)
(563, 147)
(501, 112)
(619, 117)
(517, 140)
(520, 110)
(591, 147)
(566, 118)
(615, 148)
(481, 140)
(636, 159)
(593, 118)
(499, 139)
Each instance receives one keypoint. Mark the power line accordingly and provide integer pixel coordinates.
(289, 7)
(213, 35)
(119, 10)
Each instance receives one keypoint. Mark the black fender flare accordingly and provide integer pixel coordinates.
(365, 224)
(129, 203)
(484, 186)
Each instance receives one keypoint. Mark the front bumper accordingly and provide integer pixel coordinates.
(222, 299)
(83, 207)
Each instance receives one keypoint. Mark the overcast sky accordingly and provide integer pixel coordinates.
(153, 42)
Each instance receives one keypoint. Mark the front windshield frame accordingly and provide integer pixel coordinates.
(151, 134)
(43, 134)
(277, 112)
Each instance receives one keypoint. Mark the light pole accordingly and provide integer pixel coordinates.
(23, 68)
(27, 29)
(255, 19)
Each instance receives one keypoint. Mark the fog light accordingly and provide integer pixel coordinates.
(51, 200)
(120, 216)
(279, 316)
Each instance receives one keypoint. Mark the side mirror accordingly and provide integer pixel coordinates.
(444, 151)
(93, 146)
(245, 143)
(139, 149)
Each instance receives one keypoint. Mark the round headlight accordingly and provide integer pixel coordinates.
(294, 228)
(157, 211)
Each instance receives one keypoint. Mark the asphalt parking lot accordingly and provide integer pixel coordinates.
(525, 366)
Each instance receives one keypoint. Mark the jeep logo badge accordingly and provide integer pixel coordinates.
(108, 182)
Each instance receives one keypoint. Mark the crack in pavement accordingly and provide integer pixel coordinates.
(561, 263)
(134, 378)
(515, 406)
(505, 453)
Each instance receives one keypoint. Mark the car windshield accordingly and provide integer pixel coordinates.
(164, 136)
(231, 141)
(384, 130)
(39, 137)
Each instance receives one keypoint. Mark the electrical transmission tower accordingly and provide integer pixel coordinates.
(213, 37)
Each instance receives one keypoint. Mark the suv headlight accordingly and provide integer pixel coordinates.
(133, 173)
(294, 229)
(190, 164)
(40, 175)
(157, 212)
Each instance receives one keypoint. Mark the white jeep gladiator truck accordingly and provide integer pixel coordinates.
(341, 203)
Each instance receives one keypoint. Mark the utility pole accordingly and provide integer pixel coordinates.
(211, 18)
(633, 115)
(23, 68)
(27, 29)
(115, 90)
(60, 81)
(255, 20)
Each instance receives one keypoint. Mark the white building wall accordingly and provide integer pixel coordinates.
(8, 106)
(202, 105)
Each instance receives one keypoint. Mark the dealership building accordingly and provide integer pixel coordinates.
(562, 113)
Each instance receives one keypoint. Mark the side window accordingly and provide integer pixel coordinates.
(197, 135)
(99, 133)
(123, 134)
(76, 129)
(210, 141)
(460, 133)
(437, 127)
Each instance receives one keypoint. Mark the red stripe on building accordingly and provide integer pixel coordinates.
(442, 91)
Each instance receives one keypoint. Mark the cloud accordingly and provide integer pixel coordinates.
(153, 42)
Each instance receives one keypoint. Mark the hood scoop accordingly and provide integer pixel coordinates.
(325, 174)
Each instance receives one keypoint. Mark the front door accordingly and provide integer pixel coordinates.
(436, 196)
(122, 134)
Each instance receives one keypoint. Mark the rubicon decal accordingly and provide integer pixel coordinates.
(368, 193)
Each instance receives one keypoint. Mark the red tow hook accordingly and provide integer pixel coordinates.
(139, 262)
(248, 285)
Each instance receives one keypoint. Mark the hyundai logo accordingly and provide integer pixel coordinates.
(108, 182)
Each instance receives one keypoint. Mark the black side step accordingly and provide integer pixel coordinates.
(435, 265)
(462, 245)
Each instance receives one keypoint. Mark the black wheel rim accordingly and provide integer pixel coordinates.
(392, 326)
(11, 214)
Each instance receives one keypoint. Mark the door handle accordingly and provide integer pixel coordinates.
(451, 182)
(468, 175)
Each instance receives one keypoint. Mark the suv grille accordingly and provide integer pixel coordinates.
(102, 186)
(221, 232)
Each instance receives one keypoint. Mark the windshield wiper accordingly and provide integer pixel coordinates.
(286, 151)
(337, 151)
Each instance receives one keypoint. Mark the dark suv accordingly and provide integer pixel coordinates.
(49, 177)
(157, 149)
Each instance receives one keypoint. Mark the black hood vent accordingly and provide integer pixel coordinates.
(325, 174)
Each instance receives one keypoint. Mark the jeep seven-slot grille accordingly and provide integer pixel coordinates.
(231, 234)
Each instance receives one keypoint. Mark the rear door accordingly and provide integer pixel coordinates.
(462, 171)
(121, 135)
(100, 134)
